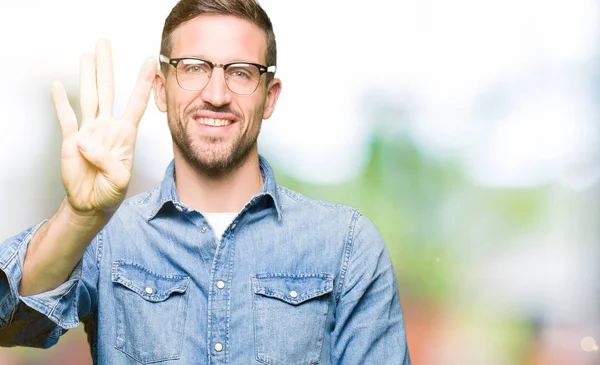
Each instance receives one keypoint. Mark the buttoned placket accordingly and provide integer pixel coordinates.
(219, 294)
(219, 298)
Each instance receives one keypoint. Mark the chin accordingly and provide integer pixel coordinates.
(212, 163)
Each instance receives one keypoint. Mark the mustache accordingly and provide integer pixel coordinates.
(211, 108)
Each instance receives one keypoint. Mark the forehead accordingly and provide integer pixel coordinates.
(219, 38)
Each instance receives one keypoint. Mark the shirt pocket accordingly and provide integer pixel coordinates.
(150, 312)
(290, 313)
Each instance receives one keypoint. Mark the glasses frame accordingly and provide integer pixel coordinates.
(175, 61)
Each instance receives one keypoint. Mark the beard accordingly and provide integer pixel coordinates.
(213, 157)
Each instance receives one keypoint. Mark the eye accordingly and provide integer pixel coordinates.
(194, 69)
(242, 72)
(239, 74)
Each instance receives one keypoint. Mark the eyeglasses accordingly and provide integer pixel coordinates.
(193, 74)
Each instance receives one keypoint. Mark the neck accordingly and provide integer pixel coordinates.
(218, 194)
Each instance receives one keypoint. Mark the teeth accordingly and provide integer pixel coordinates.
(214, 122)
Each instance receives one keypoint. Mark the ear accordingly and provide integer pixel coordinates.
(160, 94)
(273, 91)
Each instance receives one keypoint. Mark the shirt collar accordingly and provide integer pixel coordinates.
(269, 188)
(167, 191)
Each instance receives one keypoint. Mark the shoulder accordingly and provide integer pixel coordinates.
(328, 215)
(359, 229)
(293, 201)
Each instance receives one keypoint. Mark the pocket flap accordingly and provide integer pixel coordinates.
(150, 286)
(292, 289)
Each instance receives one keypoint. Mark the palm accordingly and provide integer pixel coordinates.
(89, 187)
(97, 158)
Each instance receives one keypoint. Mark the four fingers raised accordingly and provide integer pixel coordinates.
(111, 167)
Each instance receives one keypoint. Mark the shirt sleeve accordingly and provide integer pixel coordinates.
(369, 326)
(39, 320)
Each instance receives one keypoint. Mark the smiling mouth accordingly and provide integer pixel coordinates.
(214, 122)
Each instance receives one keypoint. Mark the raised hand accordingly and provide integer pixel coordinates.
(97, 157)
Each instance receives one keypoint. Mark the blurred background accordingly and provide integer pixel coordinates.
(467, 130)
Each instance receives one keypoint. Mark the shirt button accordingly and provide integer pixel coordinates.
(220, 284)
(233, 226)
(203, 229)
(178, 207)
(293, 294)
(149, 290)
(218, 347)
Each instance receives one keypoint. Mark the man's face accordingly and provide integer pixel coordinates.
(214, 130)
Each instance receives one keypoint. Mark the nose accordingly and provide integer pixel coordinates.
(216, 91)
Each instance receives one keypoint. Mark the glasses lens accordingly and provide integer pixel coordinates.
(242, 78)
(193, 74)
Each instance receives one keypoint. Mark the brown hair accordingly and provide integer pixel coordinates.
(249, 10)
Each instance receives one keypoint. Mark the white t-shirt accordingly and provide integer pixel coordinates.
(219, 222)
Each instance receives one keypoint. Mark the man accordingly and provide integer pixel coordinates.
(217, 264)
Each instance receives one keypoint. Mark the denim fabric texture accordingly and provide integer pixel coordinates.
(293, 281)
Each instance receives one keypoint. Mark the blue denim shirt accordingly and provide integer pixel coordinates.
(293, 281)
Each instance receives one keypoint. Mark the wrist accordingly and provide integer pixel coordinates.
(83, 219)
